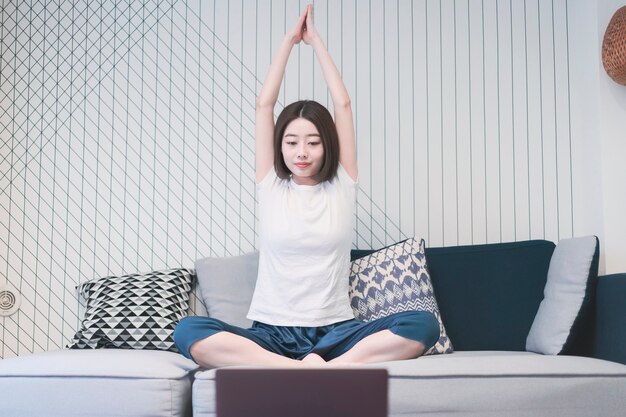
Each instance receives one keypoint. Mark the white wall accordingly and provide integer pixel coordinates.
(127, 133)
(599, 107)
(587, 156)
(612, 131)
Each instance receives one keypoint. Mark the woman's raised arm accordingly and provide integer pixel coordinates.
(340, 97)
(264, 119)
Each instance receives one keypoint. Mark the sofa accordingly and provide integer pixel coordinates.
(488, 296)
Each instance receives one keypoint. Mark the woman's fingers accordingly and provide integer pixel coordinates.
(298, 29)
(304, 29)
(303, 19)
(309, 14)
(310, 31)
(309, 18)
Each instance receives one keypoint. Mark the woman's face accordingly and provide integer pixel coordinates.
(303, 151)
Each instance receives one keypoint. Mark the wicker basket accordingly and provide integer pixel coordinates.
(614, 47)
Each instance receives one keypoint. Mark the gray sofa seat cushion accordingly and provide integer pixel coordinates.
(100, 382)
(486, 383)
(507, 384)
(500, 364)
(106, 363)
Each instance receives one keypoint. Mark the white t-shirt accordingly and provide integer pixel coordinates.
(305, 241)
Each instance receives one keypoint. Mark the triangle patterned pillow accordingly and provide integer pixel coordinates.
(395, 279)
(136, 311)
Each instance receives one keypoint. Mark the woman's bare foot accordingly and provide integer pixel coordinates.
(313, 360)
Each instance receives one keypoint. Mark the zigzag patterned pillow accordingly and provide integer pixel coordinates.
(395, 279)
(137, 311)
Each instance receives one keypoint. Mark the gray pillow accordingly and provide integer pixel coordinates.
(227, 285)
(567, 298)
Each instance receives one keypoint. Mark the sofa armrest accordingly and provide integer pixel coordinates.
(610, 325)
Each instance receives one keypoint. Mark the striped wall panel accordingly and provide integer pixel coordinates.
(126, 132)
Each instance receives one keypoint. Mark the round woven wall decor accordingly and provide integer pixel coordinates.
(614, 47)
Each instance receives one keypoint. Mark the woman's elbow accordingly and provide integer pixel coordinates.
(344, 103)
(263, 103)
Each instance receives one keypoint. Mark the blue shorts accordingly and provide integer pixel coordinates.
(327, 341)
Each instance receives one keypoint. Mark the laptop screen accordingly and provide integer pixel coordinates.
(280, 392)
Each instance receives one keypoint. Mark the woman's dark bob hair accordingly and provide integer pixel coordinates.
(323, 121)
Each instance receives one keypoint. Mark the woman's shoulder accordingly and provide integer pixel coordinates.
(344, 178)
(269, 176)
(272, 182)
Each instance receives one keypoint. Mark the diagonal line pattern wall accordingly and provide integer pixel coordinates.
(126, 132)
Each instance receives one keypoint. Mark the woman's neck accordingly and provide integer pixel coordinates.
(303, 180)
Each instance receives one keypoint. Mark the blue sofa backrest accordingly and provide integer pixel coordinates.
(488, 295)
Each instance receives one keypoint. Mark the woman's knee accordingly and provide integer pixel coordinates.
(195, 324)
(181, 327)
(201, 347)
(421, 326)
(190, 330)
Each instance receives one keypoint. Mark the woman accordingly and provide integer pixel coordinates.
(306, 175)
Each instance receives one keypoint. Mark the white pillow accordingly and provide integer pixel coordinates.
(567, 298)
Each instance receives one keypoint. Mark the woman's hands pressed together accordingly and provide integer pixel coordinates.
(304, 30)
(295, 35)
(309, 34)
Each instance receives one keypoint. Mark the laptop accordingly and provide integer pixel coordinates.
(281, 392)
